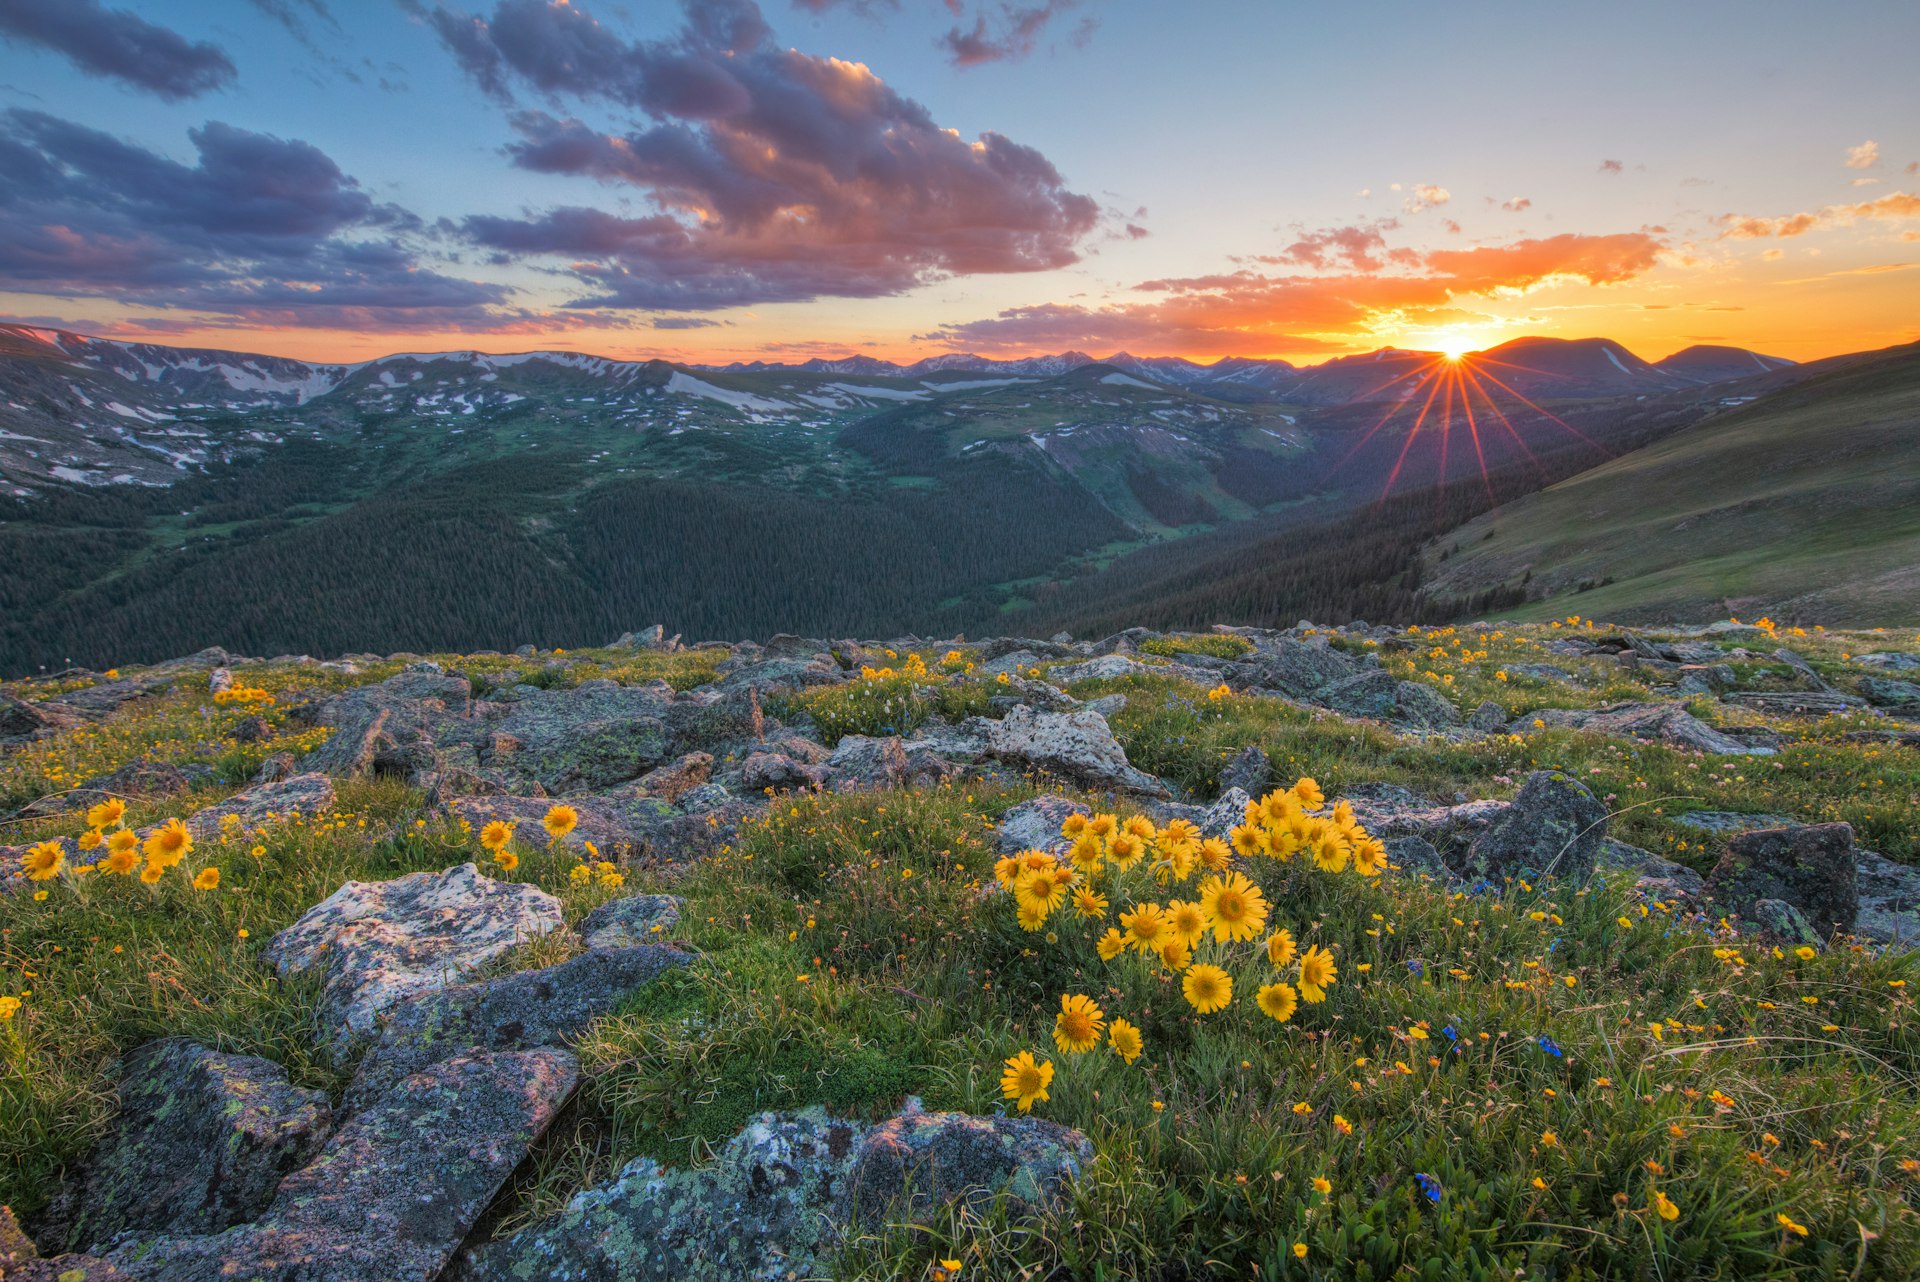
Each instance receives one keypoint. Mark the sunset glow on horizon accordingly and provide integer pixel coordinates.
(727, 180)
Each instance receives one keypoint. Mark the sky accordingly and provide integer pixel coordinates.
(721, 180)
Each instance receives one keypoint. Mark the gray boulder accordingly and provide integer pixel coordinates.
(1889, 900)
(308, 795)
(1654, 722)
(1889, 692)
(1035, 825)
(1250, 771)
(782, 1196)
(1810, 866)
(1488, 717)
(396, 1188)
(779, 772)
(389, 725)
(1889, 661)
(376, 944)
(200, 1143)
(1657, 875)
(630, 920)
(1078, 746)
(1423, 707)
(1373, 693)
(546, 1007)
(1297, 669)
(1554, 827)
(1779, 920)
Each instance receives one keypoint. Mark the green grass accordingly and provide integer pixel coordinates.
(1805, 505)
(854, 950)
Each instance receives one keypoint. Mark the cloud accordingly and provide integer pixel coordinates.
(1895, 206)
(1252, 313)
(119, 45)
(258, 227)
(1426, 196)
(1864, 156)
(687, 322)
(1010, 35)
(1516, 204)
(773, 175)
(1359, 248)
(1612, 167)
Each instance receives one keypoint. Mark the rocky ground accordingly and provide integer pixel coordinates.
(377, 1044)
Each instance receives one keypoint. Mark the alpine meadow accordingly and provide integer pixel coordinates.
(959, 641)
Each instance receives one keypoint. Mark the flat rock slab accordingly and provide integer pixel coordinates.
(396, 1188)
(308, 794)
(778, 1198)
(1035, 825)
(630, 920)
(1074, 745)
(1730, 821)
(1654, 722)
(201, 1142)
(379, 943)
(530, 1008)
(613, 825)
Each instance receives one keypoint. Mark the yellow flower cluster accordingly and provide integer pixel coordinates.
(117, 849)
(245, 696)
(1227, 908)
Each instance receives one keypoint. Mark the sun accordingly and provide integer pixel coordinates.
(1453, 347)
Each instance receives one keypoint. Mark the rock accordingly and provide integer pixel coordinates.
(1655, 873)
(1811, 867)
(1110, 666)
(220, 680)
(281, 765)
(1889, 900)
(382, 726)
(919, 1164)
(1366, 694)
(64, 1268)
(1554, 827)
(309, 795)
(15, 1246)
(678, 776)
(1297, 669)
(652, 638)
(1250, 771)
(1655, 722)
(1417, 856)
(105, 697)
(1887, 692)
(782, 1196)
(545, 1007)
(1489, 717)
(1794, 703)
(1423, 707)
(1802, 669)
(1539, 671)
(21, 721)
(1077, 746)
(615, 825)
(780, 673)
(776, 771)
(1035, 825)
(1061, 638)
(200, 1143)
(1707, 678)
(1781, 921)
(396, 1188)
(630, 920)
(1718, 821)
(859, 761)
(595, 735)
(1106, 705)
(1889, 661)
(378, 943)
(140, 781)
(1387, 811)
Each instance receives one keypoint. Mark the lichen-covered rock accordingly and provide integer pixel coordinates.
(863, 761)
(201, 1142)
(613, 824)
(1250, 771)
(1488, 717)
(1078, 746)
(1298, 669)
(1035, 825)
(1416, 856)
(1781, 922)
(1890, 692)
(1811, 867)
(1372, 693)
(781, 1196)
(1554, 827)
(777, 771)
(545, 1007)
(396, 1188)
(1889, 661)
(1889, 900)
(1655, 873)
(385, 724)
(678, 776)
(1423, 707)
(1109, 666)
(1654, 722)
(378, 943)
(597, 734)
(917, 1164)
(21, 720)
(1723, 821)
(630, 920)
(308, 795)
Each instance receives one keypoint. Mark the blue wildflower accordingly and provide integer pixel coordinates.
(1429, 1186)
(1551, 1047)
(1413, 964)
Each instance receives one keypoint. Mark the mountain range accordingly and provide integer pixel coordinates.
(153, 496)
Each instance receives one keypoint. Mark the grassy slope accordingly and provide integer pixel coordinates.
(1805, 504)
(1206, 1146)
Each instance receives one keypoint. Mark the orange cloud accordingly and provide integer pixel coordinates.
(1250, 313)
(1896, 206)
